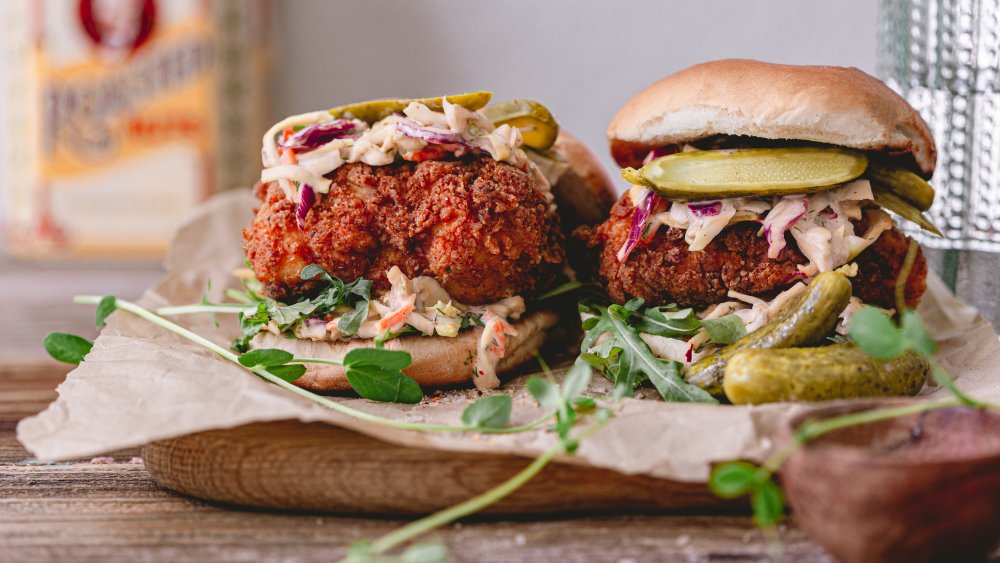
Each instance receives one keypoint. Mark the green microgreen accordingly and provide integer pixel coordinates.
(376, 374)
(65, 347)
(492, 411)
(104, 310)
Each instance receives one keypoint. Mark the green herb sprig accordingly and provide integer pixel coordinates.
(255, 312)
(565, 398)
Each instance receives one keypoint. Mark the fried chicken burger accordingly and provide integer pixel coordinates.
(749, 179)
(424, 225)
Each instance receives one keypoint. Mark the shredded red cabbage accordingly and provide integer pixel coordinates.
(318, 135)
(705, 209)
(639, 219)
(794, 276)
(657, 153)
(307, 197)
(664, 151)
(781, 218)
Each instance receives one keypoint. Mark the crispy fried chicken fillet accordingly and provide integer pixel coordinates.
(662, 270)
(480, 227)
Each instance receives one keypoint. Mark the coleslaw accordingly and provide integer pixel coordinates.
(301, 150)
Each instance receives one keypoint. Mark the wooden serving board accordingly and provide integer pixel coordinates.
(319, 467)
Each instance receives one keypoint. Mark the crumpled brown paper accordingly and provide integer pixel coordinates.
(142, 383)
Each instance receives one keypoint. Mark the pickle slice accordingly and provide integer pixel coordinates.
(891, 201)
(375, 110)
(749, 172)
(904, 184)
(538, 128)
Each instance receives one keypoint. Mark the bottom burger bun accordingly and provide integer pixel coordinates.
(437, 360)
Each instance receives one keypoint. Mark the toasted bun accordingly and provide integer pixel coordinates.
(584, 196)
(584, 193)
(437, 360)
(826, 104)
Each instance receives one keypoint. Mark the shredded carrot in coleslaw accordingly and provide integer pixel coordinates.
(396, 317)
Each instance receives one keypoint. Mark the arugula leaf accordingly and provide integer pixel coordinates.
(635, 360)
(724, 330)
(662, 321)
(355, 295)
(68, 348)
(559, 290)
(351, 322)
(250, 326)
(311, 271)
(107, 306)
(285, 315)
(492, 411)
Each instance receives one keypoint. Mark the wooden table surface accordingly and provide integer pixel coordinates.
(81, 510)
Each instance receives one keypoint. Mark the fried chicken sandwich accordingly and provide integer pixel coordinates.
(749, 179)
(420, 225)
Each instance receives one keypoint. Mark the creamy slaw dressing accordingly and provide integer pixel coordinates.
(455, 130)
(420, 304)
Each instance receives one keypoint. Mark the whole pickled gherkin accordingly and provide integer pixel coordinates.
(839, 371)
(376, 110)
(805, 322)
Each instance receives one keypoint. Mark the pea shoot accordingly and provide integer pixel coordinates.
(874, 332)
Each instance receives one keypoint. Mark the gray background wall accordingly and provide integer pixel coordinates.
(582, 58)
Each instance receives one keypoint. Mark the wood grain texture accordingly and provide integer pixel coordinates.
(290, 464)
(81, 511)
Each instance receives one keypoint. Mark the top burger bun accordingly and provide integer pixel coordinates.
(825, 104)
(584, 193)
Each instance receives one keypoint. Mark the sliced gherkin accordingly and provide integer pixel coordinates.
(375, 110)
(891, 201)
(903, 183)
(749, 172)
(538, 128)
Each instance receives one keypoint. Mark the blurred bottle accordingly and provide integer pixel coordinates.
(121, 115)
(943, 56)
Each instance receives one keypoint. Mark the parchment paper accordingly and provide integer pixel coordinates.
(142, 383)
